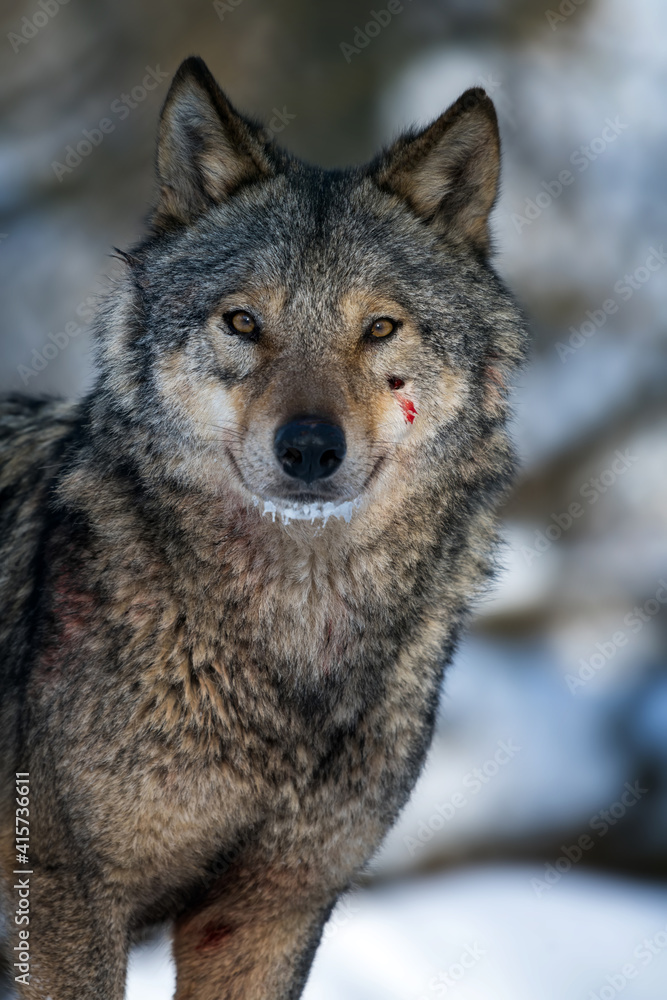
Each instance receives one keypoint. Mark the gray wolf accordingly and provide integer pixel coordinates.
(233, 573)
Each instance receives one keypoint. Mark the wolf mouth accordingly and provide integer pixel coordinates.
(309, 511)
(307, 506)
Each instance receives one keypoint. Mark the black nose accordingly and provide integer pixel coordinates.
(309, 448)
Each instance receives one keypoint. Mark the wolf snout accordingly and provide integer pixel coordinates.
(309, 448)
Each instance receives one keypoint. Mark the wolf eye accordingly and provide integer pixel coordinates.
(382, 327)
(242, 322)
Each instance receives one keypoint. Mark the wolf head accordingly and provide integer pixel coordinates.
(307, 339)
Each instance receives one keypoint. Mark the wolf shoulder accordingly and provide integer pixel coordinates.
(33, 437)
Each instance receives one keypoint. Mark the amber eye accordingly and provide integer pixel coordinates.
(242, 322)
(382, 327)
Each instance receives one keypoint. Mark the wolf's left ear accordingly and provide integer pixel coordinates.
(449, 172)
(205, 150)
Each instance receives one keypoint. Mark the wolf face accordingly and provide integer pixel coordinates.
(312, 337)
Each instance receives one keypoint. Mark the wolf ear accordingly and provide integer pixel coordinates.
(448, 173)
(205, 149)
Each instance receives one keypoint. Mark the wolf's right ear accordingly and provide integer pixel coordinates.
(205, 149)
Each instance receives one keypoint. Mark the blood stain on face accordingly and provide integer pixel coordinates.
(408, 407)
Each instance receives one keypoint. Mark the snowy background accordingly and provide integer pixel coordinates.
(556, 707)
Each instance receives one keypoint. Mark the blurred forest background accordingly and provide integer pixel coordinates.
(532, 859)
